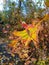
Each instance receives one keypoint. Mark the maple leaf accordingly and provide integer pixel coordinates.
(31, 33)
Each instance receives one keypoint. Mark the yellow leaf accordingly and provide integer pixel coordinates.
(30, 34)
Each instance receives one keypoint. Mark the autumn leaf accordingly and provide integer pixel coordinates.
(31, 33)
(13, 43)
